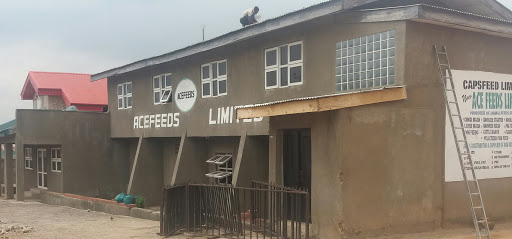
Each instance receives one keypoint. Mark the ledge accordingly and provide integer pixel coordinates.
(321, 103)
(97, 204)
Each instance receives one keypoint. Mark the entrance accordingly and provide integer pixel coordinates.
(297, 158)
(297, 162)
(41, 172)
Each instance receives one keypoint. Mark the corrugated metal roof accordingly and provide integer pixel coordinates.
(8, 125)
(75, 89)
(8, 128)
(313, 97)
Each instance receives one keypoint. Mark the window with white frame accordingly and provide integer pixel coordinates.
(283, 66)
(214, 79)
(162, 89)
(28, 158)
(224, 168)
(366, 62)
(56, 160)
(124, 95)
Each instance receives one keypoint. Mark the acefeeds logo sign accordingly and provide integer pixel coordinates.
(185, 95)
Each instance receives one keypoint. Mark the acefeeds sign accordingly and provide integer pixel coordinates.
(185, 95)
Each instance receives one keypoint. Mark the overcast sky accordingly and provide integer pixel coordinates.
(90, 36)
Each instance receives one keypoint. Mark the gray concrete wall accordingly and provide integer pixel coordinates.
(192, 166)
(467, 51)
(148, 177)
(170, 154)
(86, 156)
(374, 165)
(246, 74)
(31, 174)
(254, 162)
(121, 157)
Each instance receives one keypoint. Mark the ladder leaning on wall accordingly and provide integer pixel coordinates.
(452, 105)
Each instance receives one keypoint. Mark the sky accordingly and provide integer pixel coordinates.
(91, 36)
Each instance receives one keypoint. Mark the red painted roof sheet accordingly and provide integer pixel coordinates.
(75, 89)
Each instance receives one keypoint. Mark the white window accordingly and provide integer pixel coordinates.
(28, 158)
(224, 166)
(56, 160)
(283, 66)
(214, 79)
(162, 89)
(124, 96)
(366, 62)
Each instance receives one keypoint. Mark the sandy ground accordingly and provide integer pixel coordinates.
(50, 221)
(47, 221)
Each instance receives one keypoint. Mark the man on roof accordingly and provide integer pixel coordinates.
(249, 16)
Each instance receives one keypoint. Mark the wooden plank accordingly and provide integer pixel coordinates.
(178, 158)
(134, 166)
(324, 103)
(239, 158)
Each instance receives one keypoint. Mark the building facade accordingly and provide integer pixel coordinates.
(60, 150)
(342, 98)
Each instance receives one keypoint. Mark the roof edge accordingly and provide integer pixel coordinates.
(322, 9)
(286, 20)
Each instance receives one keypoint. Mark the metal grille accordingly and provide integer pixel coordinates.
(262, 211)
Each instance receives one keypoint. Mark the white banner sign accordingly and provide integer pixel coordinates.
(485, 101)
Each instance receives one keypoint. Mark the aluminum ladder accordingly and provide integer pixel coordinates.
(452, 105)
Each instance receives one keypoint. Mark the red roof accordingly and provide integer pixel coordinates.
(75, 89)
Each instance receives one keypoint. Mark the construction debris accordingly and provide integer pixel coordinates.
(7, 229)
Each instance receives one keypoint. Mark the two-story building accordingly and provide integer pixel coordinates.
(342, 98)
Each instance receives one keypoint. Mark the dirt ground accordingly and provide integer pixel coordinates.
(47, 221)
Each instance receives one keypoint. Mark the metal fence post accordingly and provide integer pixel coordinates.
(162, 212)
(187, 209)
(307, 213)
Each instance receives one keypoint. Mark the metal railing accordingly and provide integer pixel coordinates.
(262, 211)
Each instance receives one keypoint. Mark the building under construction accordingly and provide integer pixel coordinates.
(343, 99)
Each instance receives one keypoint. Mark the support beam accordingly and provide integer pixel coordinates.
(8, 171)
(178, 158)
(325, 103)
(20, 170)
(239, 158)
(134, 167)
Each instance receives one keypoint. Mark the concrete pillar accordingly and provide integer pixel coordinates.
(20, 170)
(8, 177)
(275, 157)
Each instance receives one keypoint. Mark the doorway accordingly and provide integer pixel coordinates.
(42, 175)
(297, 158)
(297, 164)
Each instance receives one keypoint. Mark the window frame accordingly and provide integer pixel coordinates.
(29, 158)
(56, 160)
(210, 80)
(290, 64)
(124, 95)
(272, 68)
(161, 89)
(223, 173)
